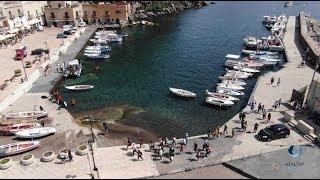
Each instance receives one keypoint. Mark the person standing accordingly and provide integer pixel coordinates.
(218, 131)
(35, 108)
(187, 135)
(232, 132)
(42, 123)
(160, 153)
(151, 145)
(174, 143)
(185, 141)
(255, 128)
(225, 131)
(70, 155)
(105, 126)
(240, 114)
(134, 148)
(129, 143)
(245, 125)
(259, 107)
(171, 154)
(139, 154)
(264, 114)
(195, 146)
(279, 102)
(242, 124)
(208, 133)
(181, 148)
(278, 82)
(166, 139)
(252, 108)
(269, 117)
(271, 80)
(140, 141)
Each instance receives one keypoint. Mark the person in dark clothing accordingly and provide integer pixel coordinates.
(269, 117)
(198, 155)
(41, 108)
(195, 146)
(105, 126)
(259, 107)
(255, 127)
(151, 145)
(139, 154)
(70, 155)
(271, 80)
(232, 132)
(264, 114)
(240, 116)
(242, 124)
(129, 143)
(225, 131)
(140, 141)
(208, 133)
(243, 116)
(207, 152)
(42, 123)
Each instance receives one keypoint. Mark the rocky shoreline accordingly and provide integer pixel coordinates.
(147, 10)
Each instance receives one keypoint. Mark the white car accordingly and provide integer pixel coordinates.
(82, 24)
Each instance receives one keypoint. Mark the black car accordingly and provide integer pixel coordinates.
(273, 132)
(61, 35)
(67, 32)
(39, 51)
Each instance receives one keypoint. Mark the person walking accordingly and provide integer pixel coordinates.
(271, 80)
(278, 82)
(259, 107)
(42, 123)
(240, 115)
(184, 141)
(160, 153)
(70, 155)
(129, 143)
(262, 108)
(243, 116)
(225, 131)
(218, 131)
(105, 126)
(139, 154)
(165, 140)
(174, 142)
(140, 141)
(186, 136)
(242, 124)
(171, 154)
(255, 128)
(41, 108)
(252, 108)
(134, 148)
(195, 146)
(208, 133)
(279, 102)
(245, 125)
(269, 117)
(181, 148)
(232, 132)
(151, 145)
(264, 114)
(35, 108)
(198, 155)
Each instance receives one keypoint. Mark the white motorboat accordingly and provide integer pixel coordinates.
(245, 69)
(35, 132)
(239, 72)
(236, 75)
(98, 47)
(181, 92)
(221, 96)
(27, 114)
(230, 92)
(96, 55)
(218, 101)
(230, 86)
(232, 60)
(74, 68)
(79, 87)
(275, 43)
(227, 78)
(266, 53)
(250, 41)
(288, 3)
(235, 81)
(90, 51)
(269, 59)
(269, 19)
(247, 52)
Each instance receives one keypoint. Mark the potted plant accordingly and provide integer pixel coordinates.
(48, 156)
(17, 73)
(63, 152)
(28, 64)
(27, 159)
(5, 163)
(83, 149)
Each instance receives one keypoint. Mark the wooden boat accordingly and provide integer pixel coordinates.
(79, 87)
(35, 132)
(221, 96)
(181, 92)
(27, 114)
(12, 129)
(230, 86)
(17, 148)
(218, 101)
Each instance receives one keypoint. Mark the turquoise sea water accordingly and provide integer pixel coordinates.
(186, 51)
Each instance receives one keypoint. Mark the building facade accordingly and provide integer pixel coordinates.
(59, 13)
(17, 15)
(313, 99)
(106, 13)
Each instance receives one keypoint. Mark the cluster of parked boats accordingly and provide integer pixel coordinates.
(23, 131)
(258, 53)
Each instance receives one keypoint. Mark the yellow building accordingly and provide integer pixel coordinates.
(106, 13)
(58, 13)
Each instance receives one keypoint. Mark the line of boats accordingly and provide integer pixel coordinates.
(258, 53)
(23, 131)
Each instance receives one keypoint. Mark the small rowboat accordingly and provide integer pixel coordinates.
(36, 132)
(218, 101)
(79, 87)
(27, 114)
(183, 93)
(17, 148)
(12, 129)
(220, 96)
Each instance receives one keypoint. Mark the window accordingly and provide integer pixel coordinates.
(85, 13)
(52, 15)
(66, 14)
(118, 11)
(107, 13)
(59, 5)
(94, 13)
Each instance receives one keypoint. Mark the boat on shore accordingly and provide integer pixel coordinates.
(219, 101)
(229, 92)
(12, 129)
(182, 92)
(79, 87)
(27, 114)
(18, 148)
(35, 132)
(221, 96)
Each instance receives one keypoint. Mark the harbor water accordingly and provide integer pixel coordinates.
(186, 51)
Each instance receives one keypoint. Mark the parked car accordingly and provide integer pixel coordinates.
(82, 24)
(67, 33)
(39, 51)
(39, 28)
(61, 35)
(273, 132)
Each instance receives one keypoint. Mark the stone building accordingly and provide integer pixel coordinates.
(313, 99)
(18, 15)
(106, 13)
(59, 13)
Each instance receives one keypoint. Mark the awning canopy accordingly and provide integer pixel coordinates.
(232, 56)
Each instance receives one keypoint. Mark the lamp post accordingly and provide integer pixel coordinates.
(91, 143)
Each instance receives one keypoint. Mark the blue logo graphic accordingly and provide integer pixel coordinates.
(294, 150)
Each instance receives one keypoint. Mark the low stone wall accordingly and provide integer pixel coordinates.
(305, 127)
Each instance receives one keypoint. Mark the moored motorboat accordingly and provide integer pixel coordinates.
(74, 68)
(219, 95)
(17, 148)
(12, 129)
(229, 92)
(250, 41)
(229, 86)
(97, 55)
(236, 75)
(182, 92)
(232, 60)
(235, 81)
(227, 78)
(27, 114)
(239, 72)
(245, 69)
(35, 132)
(218, 101)
(79, 87)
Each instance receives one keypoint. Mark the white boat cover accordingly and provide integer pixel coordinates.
(232, 56)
